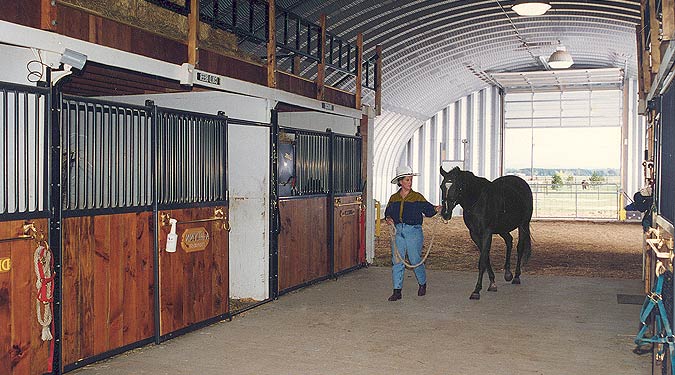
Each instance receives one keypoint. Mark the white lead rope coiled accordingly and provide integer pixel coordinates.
(42, 260)
(400, 258)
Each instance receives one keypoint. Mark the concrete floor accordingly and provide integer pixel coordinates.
(547, 325)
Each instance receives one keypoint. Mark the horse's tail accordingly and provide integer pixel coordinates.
(527, 242)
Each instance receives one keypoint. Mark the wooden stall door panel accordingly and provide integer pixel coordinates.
(101, 278)
(193, 285)
(317, 230)
(291, 270)
(107, 283)
(346, 235)
(22, 350)
(303, 241)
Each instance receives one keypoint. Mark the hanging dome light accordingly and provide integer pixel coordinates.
(530, 7)
(560, 59)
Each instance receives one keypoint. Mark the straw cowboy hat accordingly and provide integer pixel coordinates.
(402, 171)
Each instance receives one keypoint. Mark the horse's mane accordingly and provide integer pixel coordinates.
(473, 186)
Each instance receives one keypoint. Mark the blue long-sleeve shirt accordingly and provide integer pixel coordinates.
(408, 210)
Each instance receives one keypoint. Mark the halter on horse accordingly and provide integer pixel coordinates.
(496, 207)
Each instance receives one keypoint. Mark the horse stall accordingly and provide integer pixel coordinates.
(248, 170)
(319, 187)
(121, 211)
(134, 183)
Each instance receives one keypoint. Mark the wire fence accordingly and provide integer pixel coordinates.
(576, 201)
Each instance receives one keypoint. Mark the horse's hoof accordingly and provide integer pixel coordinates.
(516, 281)
(508, 276)
(493, 287)
(475, 296)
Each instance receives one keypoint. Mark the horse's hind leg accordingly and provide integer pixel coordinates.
(523, 237)
(508, 240)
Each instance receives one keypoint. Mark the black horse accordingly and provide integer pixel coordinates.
(496, 207)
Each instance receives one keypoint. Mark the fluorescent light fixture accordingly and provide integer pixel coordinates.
(560, 59)
(74, 59)
(530, 7)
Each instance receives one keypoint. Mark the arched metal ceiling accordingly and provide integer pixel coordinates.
(435, 52)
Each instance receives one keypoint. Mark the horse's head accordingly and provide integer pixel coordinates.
(450, 191)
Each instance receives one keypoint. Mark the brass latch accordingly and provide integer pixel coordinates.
(218, 215)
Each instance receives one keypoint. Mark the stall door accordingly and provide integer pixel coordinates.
(107, 228)
(192, 220)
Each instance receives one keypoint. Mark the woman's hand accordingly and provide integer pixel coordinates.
(438, 208)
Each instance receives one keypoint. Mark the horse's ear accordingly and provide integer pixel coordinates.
(443, 172)
(455, 168)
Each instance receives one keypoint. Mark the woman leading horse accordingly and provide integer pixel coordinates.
(496, 207)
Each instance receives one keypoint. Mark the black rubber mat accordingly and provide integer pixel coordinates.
(630, 299)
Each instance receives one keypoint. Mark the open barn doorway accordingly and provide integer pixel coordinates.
(567, 145)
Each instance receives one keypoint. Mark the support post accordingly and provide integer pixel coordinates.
(654, 38)
(359, 69)
(193, 33)
(154, 157)
(321, 73)
(378, 81)
(330, 206)
(55, 165)
(642, 84)
(668, 23)
(296, 65)
(271, 44)
(275, 220)
(48, 15)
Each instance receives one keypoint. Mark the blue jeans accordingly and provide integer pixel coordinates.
(409, 240)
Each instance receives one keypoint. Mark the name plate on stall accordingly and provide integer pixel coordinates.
(5, 265)
(194, 239)
(348, 212)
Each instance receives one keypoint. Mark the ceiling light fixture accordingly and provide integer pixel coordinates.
(530, 7)
(560, 59)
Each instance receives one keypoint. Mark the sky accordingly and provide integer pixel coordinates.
(592, 148)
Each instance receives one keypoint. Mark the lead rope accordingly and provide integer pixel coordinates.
(392, 235)
(43, 262)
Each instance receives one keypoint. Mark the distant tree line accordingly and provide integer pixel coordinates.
(567, 172)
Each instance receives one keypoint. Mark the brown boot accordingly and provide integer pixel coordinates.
(396, 295)
(422, 290)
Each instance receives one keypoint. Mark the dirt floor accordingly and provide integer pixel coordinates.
(565, 248)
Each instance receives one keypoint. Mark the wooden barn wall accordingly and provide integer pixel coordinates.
(303, 241)
(346, 232)
(25, 12)
(142, 28)
(97, 80)
(22, 351)
(339, 97)
(295, 85)
(78, 24)
(194, 286)
(107, 283)
(232, 67)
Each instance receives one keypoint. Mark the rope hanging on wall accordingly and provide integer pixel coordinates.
(43, 262)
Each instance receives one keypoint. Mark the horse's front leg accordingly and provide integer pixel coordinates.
(483, 241)
(508, 240)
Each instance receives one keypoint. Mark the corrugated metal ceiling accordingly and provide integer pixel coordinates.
(436, 52)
